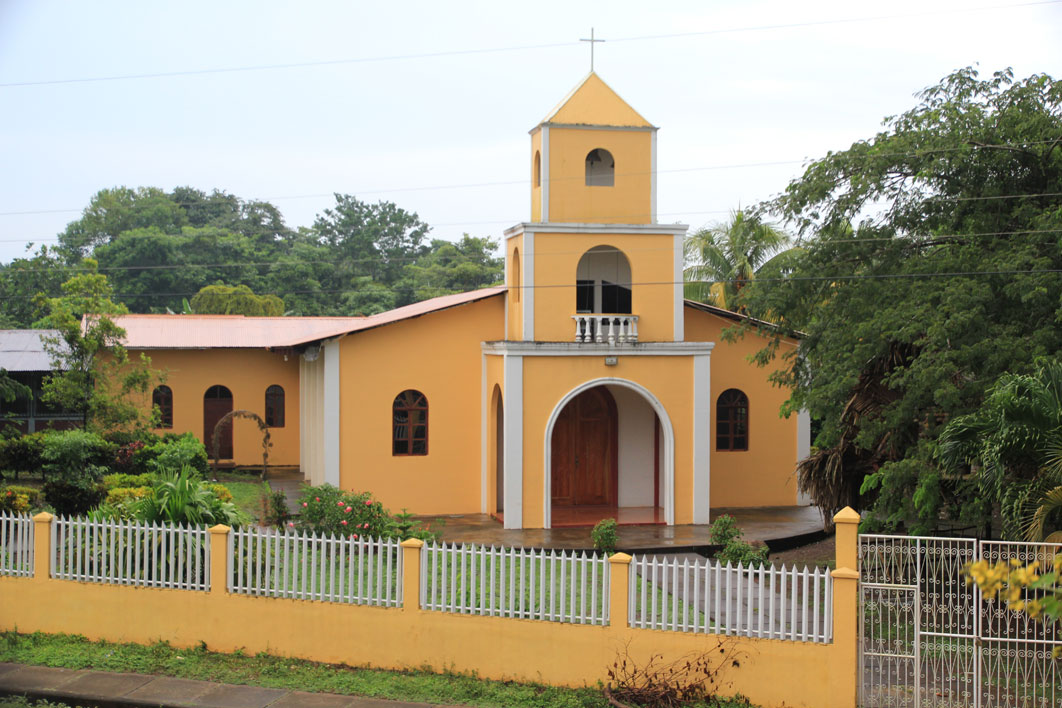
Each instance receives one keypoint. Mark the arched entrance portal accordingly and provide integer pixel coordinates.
(610, 454)
(217, 403)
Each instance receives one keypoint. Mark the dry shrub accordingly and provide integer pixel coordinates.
(692, 679)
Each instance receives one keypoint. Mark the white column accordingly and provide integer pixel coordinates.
(528, 295)
(483, 434)
(331, 412)
(652, 179)
(680, 322)
(514, 441)
(803, 448)
(702, 437)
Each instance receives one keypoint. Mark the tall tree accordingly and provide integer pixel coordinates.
(723, 258)
(448, 267)
(92, 372)
(949, 280)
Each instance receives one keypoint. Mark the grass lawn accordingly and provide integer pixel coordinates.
(75, 652)
(247, 492)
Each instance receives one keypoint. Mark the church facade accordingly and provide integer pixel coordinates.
(584, 388)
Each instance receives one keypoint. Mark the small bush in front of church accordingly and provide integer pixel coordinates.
(604, 536)
(726, 533)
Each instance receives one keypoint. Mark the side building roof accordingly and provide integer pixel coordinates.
(241, 332)
(23, 349)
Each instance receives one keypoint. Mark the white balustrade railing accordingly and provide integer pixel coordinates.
(16, 544)
(705, 596)
(131, 553)
(549, 585)
(306, 566)
(613, 329)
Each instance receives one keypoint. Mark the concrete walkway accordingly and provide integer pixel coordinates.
(112, 690)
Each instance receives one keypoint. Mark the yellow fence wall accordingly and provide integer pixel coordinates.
(771, 673)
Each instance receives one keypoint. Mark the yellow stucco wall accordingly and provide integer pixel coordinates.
(548, 379)
(652, 262)
(439, 355)
(628, 201)
(764, 474)
(245, 372)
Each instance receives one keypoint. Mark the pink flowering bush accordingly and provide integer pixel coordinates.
(331, 511)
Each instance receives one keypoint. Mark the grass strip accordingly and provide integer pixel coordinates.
(77, 652)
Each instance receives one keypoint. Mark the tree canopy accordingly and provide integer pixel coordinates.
(159, 249)
(931, 264)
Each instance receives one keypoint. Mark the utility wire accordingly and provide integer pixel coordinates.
(514, 48)
(281, 265)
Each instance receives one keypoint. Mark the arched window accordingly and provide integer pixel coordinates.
(538, 168)
(409, 415)
(600, 168)
(603, 282)
(274, 407)
(162, 398)
(732, 421)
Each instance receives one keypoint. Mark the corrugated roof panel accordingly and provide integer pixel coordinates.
(23, 350)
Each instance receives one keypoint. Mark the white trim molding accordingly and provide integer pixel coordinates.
(573, 227)
(702, 438)
(594, 349)
(527, 262)
(331, 412)
(483, 434)
(513, 387)
(679, 294)
(544, 179)
(665, 426)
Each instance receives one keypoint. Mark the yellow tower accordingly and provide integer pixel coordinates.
(593, 160)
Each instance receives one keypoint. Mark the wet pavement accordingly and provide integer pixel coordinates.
(779, 527)
(106, 689)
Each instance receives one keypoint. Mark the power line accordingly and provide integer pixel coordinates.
(514, 48)
(280, 265)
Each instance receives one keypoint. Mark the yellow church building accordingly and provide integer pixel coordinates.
(586, 387)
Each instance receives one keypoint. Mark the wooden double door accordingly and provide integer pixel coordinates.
(584, 459)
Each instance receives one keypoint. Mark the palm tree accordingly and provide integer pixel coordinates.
(721, 259)
(1015, 439)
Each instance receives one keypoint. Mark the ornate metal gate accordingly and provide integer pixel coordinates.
(930, 640)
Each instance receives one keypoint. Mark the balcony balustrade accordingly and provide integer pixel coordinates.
(613, 329)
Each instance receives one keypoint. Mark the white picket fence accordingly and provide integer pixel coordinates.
(131, 553)
(548, 585)
(16, 544)
(305, 566)
(686, 595)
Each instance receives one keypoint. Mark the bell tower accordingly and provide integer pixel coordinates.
(593, 160)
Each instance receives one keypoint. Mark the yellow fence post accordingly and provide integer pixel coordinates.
(619, 566)
(846, 610)
(411, 573)
(42, 546)
(219, 559)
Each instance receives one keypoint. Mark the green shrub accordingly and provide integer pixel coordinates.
(221, 492)
(275, 510)
(125, 495)
(725, 533)
(183, 498)
(19, 500)
(22, 453)
(724, 530)
(74, 462)
(172, 454)
(125, 481)
(604, 536)
(327, 510)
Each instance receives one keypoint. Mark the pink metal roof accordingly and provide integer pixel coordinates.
(238, 331)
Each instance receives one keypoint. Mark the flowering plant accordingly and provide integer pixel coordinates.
(330, 511)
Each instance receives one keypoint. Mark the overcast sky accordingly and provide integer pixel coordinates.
(747, 83)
